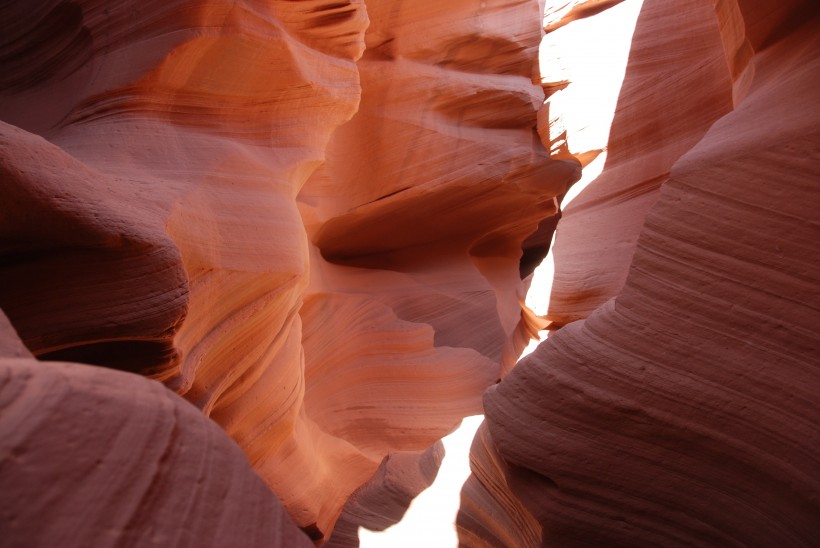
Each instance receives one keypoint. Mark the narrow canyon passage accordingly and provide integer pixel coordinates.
(676, 405)
(258, 257)
(583, 113)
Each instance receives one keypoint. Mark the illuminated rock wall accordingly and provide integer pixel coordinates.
(681, 409)
(306, 218)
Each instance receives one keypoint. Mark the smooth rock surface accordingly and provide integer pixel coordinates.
(683, 410)
(95, 457)
(384, 499)
(675, 87)
(319, 249)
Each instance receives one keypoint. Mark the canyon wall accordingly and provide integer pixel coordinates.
(677, 405)
(305, 218)
(97, 457)
(309, 221)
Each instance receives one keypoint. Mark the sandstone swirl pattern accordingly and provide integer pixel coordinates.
(96, 457)
(683, 410)
(305, 217)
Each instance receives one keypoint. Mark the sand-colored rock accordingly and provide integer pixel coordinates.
(683, 411)
(317, 249)
(95, 457)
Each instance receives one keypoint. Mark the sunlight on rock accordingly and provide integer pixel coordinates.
(584, 111)
(431, 517)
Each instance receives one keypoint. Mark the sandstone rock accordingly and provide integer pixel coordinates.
(486, 517)
(675, 87)
(10, 344)
(383, 500)
(169, 152)
(226, 197)
(445, 126)
(683, 411)
(95, 457)
(432, 299)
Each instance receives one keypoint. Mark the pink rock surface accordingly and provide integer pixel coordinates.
(683, 411)
(225, 197)
(445, 126)
(489, 514)
(307, 218)
(383, 500)
(95, 457)
(675, 87)
(152, 225)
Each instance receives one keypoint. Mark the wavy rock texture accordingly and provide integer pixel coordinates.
(682, 411)
(675, 87)
(152, 225)
(383, 500)
(140, 465)
(227, 197)
(489, 514)
(445, 126)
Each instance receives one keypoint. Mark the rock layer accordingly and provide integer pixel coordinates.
(675, 87)
(226, 197)
(683, 410)
(95, 457)
(383, 500)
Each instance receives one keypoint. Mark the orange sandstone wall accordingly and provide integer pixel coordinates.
(306, 218)
(681, 408)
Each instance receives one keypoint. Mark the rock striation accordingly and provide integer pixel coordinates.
(311, 219)
(384, 499)
(306, 218)
(681, 408)
(97, 457)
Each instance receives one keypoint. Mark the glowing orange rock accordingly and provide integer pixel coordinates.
(317, 249)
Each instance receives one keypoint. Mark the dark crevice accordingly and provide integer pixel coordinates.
(134, 356)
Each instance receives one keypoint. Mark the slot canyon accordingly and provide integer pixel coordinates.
(258, 257)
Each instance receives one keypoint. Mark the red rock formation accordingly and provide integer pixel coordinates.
(485, 518)
(155, 229)
(682, 411)
(383, 500)
(446, 120)
(675, 87)
(95, 457)
(165, 213)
